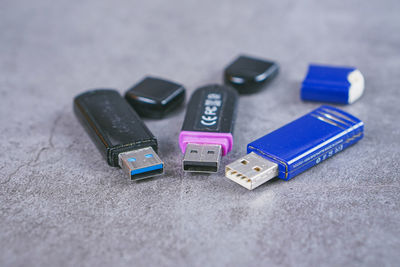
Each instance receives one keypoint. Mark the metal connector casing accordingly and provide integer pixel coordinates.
(202, 158)
(141, 163)
(251, 171)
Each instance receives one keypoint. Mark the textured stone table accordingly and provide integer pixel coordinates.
(60, 204)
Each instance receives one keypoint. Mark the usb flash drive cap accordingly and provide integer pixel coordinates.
(141, 163)
(334, 84)
(202, 158)
(249, 74)
(251, 170)
(155, 97)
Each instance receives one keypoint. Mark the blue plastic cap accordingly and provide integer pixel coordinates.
(340, 85)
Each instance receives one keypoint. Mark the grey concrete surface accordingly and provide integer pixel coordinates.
(61, 205)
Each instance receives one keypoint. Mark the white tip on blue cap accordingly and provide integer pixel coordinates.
(340, 85)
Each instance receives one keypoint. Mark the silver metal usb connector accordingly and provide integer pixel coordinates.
(251, 171)
(141, 163)
(202, 158)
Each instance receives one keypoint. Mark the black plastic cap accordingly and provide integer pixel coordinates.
(154, 97)
(248, 75)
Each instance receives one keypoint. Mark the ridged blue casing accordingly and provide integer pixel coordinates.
(309, 140)
(327, 84)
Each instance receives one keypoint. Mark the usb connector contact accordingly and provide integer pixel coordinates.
(251, 170)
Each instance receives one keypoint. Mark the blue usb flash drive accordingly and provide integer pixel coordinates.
(296, 147)
(340, 85)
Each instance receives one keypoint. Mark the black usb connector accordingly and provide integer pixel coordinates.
(119, 133)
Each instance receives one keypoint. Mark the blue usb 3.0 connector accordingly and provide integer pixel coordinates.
(296, 147)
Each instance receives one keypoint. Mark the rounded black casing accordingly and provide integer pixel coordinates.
(248, 75)
(211, 108)
(154, 97)
(112, 124)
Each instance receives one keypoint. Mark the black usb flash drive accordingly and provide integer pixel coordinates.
(207, 128)
(118, 132)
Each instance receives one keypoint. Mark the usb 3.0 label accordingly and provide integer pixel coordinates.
(209, 112)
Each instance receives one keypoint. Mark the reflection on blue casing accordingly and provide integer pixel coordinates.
(308, 140)
(327, 84)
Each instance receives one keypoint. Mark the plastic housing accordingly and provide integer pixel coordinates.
(112, 124)
(309, 140)
(210, 117)
(154, 97)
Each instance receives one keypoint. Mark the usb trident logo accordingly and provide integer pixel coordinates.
(211, 105)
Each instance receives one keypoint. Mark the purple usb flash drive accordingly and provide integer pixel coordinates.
(207, 129)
